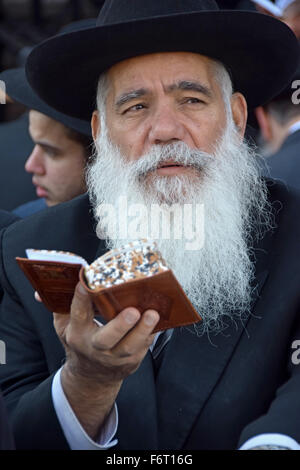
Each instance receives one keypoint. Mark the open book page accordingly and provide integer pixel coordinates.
(52, 255)
(131, 262)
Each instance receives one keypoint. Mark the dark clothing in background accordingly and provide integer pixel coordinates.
(285, 164)
(6, 438)
(210, 392)
(29, 208)
(6, 218)
(15, 147)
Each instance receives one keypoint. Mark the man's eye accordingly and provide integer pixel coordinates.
(51, 153)
(136, 107)
(193, 100)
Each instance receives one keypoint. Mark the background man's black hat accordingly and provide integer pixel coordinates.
(18, 88)
(290, 89)
(260, 52)
(286, 94)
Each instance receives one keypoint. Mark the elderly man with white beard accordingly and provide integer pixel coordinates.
(224, 178)
(168, 130)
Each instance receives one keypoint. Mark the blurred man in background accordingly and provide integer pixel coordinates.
(57, 161)
(279, 122)
(286, 10)
(268, 7)
(62, 147)
(291, 14)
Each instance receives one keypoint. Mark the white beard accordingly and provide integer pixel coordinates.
(217, 278)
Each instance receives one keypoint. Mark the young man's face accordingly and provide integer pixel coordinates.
(57, 162)
(162, 98)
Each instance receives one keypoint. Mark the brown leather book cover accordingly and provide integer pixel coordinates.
(161, 292)
(55, 282)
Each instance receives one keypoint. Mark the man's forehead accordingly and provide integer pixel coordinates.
(169, 66)
(40, 123)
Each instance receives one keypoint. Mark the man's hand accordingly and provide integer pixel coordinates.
(100, 357)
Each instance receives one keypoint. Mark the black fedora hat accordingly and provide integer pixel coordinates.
(260, 52)
(18, 88)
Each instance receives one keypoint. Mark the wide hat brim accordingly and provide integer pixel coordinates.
(286, 94)
(18, 88)
(290, 89)
(260, 52)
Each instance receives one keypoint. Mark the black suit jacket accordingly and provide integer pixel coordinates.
(285, 164)
(6, 437)
(6, 218)
(210, 392)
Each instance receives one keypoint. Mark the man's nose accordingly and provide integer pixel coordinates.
(166, 127)
(35, 163)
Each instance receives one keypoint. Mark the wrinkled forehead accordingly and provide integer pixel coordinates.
(165, 68)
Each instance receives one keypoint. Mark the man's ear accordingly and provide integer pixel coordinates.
(95, 124)
(239, 112)
(264, 123)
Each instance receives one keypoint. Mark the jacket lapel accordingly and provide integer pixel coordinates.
(191, 368)
(101, 249)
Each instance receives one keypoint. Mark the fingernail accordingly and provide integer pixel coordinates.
(149, 319)
(130, 316)
(82, 290)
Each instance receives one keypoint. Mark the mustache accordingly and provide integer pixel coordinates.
(179, 153)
